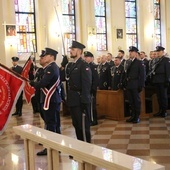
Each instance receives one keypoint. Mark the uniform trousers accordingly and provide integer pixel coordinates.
(52, 117)
(19, 104)
(134, 101)
(93, 109)
(77, 121)
(161, 92)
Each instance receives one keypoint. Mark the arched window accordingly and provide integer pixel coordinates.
(131, 23)
(69, 22)
(157, 22)
(100, 18)
(25, 26)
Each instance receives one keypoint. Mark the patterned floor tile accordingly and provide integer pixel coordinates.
(149, 140)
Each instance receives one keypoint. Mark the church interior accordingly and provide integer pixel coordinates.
(104, 26)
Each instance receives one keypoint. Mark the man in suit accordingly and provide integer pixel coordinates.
(161, 79)
(116, 73)
(121, 54)
(88, 56)
(135, 81)
(110, 59)
(50, 99)
(143, 57)
(104, 74)
(79, 79)
(19, 104)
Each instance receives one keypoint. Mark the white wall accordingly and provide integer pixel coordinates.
(7, 48)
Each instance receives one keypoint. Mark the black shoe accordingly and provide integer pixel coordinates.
(42, 153)
(130, 119)
(164, 114)
(14, 114)
(94, 123)
(20, 114)
(136, 120)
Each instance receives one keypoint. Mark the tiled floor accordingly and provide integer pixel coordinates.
(149, 140)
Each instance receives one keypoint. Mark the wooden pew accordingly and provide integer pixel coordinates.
(151, 98)
(111, 104)
(84, 153)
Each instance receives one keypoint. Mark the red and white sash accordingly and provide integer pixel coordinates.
(49, 93)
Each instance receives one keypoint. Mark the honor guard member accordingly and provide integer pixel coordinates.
(19, 104)
(135, 81)
(88, 56)
(33, 70)
(161, 79)
(105, 75)
(62, 68)
(79, 78)
(50, 93)
(37, 77)
(116, 73)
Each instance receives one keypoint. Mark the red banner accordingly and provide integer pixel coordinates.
(29, 91)
(11, 86)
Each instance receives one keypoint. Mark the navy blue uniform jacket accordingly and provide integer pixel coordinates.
(79, 83)
(50, 76)
(136, 75)
(162, 71)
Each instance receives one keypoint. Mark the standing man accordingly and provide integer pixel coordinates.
(121, 54)
(19, 104)
(88, 56)
(116, 73)
(110, 60)
(105, 75)
(161, 79)
(79, 79)
(50, 93)
(135, 81)
(37, 77)
(143, 57)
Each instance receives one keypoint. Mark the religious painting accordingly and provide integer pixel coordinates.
(119, 33)
(10, 30)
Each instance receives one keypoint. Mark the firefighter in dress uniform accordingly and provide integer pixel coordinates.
(116, 73)
(88, 56)
(79, 80)
(160, 79)
(134, 77)
(104, 75)
(50, 93)
(19, 104)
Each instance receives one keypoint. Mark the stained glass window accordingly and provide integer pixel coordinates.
(25, 21)
(131, 23)
(100, 18)
(69, 22)
(157, 22)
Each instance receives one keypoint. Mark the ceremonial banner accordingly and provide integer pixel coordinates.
(11, 86)
(29, 91)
